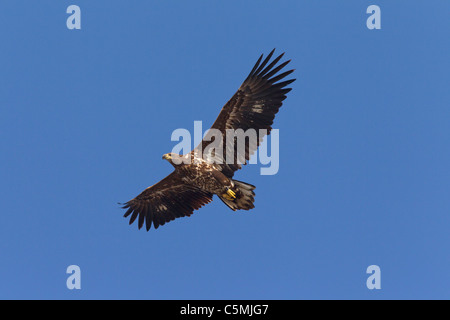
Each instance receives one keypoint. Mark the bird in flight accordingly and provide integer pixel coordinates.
(197, 178)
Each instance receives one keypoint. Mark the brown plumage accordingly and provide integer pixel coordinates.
(193, 185)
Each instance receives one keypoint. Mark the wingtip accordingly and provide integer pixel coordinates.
(124, 205)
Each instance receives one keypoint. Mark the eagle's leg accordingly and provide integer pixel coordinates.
(227, 192)
(229, 195)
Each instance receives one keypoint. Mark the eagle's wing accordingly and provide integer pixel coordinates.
(163, 202)
(253, 106)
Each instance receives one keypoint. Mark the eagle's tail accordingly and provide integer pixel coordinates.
(243, 196)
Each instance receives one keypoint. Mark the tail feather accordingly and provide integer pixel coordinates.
(245, 197)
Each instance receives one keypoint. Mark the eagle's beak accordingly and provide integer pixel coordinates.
(167, 156)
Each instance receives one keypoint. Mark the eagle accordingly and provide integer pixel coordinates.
(197, 178)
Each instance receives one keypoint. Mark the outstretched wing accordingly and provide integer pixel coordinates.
(253, 106)
(163, 202)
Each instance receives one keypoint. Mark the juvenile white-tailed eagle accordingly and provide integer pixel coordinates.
(193, 183)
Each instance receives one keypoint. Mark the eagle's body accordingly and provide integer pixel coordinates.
(201, 173)
(196, 179)
(208, 177)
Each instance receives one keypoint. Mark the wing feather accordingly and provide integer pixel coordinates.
(253, 106)
(165, 201)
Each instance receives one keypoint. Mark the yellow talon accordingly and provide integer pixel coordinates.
(227, 197)
(231, 194)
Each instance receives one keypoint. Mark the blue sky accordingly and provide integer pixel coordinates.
(364, 173)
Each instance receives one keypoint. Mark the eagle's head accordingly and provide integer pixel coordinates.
(173, 158)
(168, 156)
